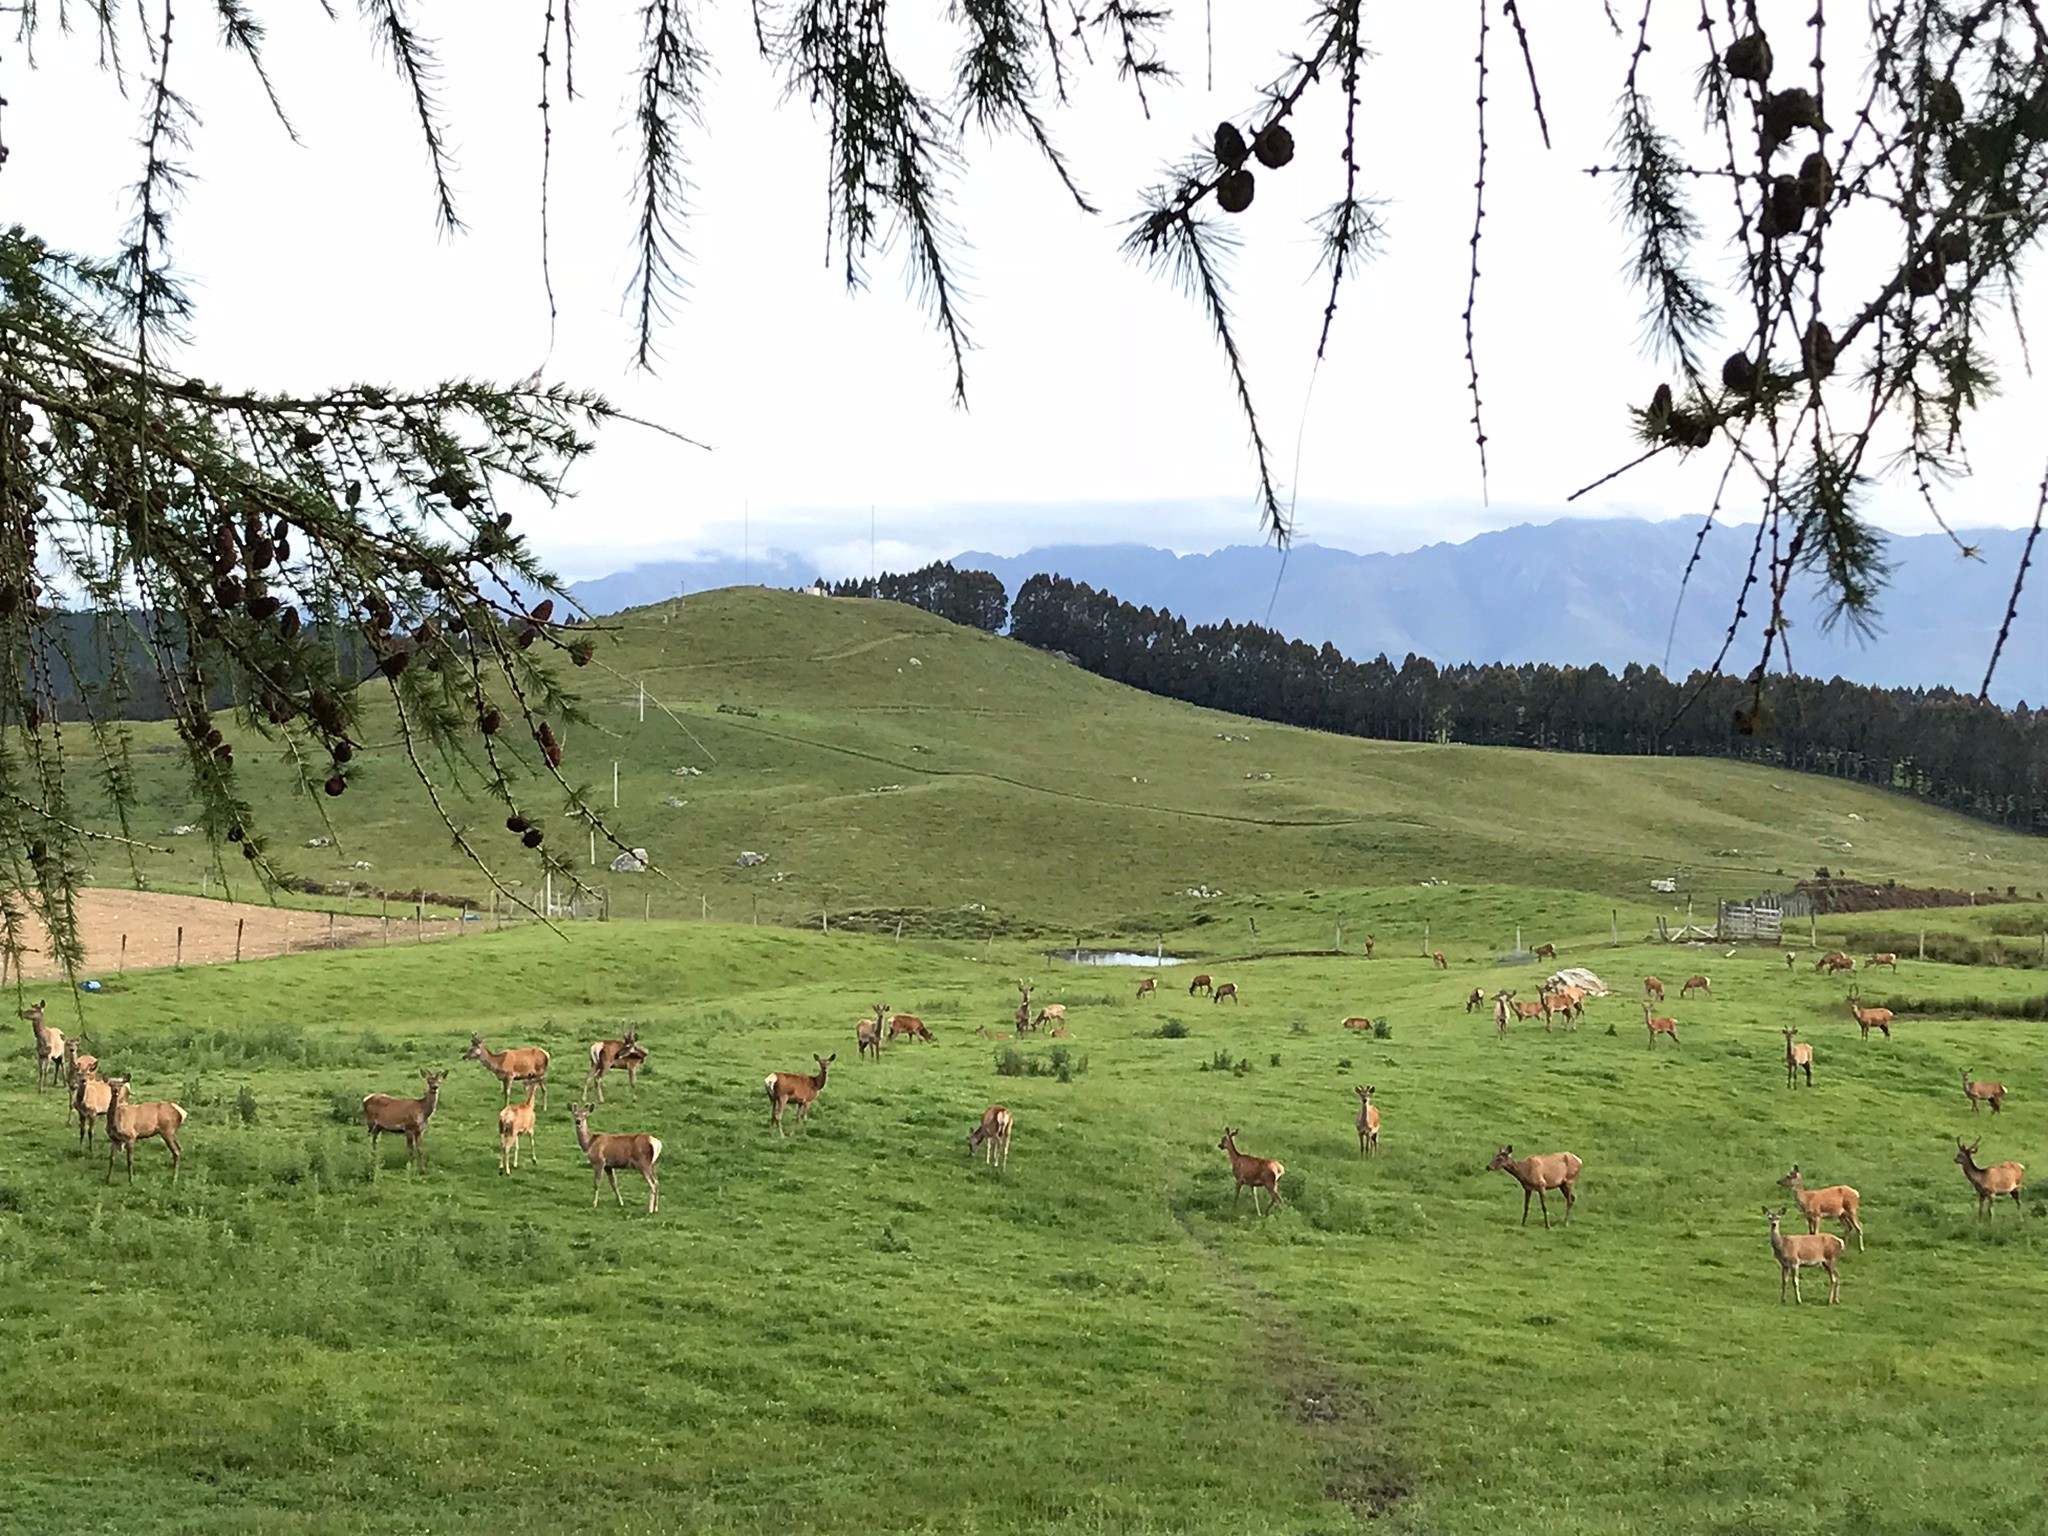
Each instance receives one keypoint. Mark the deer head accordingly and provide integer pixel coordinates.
(476, 1049)
(1501, 1159)
(1229, 1141)
(1791, 1180)
(1965, 1156)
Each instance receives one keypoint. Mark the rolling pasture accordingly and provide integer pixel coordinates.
(862, 1328)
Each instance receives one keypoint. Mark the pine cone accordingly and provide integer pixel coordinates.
(1739, 373)
(533, 837)
(1274, 146)
(1820, 350)
(1230, 147)
(1234, 192)
(1816, 180)
(1748, 58)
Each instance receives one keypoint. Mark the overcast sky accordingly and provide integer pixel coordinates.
(1097, 397)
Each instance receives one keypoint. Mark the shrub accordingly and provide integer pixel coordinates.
(1343, 1063)
(1382, 1030)
(1299, 1028)
(1220, 1062)
(345, 1109)
(1172, 1029)
(1276, 1059)
(1244, 1065)
(245, 1105)
(1010, 1062)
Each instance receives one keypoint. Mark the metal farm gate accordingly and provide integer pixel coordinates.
(1763, 918)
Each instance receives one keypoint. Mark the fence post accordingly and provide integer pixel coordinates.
(704, 905)
(1614, 927)
(238, 939)
(178, 960)
(899, 930)
(1923, 944)
(124, 952)
(825, 920)
(1340, 935)
(1425, 938)
(1812, 931)
(647, 908)
(615, 784)
(330, 932)
(419, 922)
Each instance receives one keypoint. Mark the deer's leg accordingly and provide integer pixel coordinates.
(653, 1192)
(1798, 1298)
(1783, 1274)
(1543, 1200)
(1570, 1200)
(177, 1155)
(596, 1184)
(1834, 1285)
(1526, 1192)
(131, 1162)
(2017, 1206)
(612, 1174)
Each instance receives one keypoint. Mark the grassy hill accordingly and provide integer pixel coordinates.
(891, 763)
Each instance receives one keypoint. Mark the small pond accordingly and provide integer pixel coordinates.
(1110, 957)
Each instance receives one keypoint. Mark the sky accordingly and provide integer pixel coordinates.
(1099, 406)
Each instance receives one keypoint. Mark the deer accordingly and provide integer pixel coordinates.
(1653, 988)
(908, 1024)
(1360, 1022)
(1798, 1058)
(868, 1034)
(1983, 1093)
(1257, 1173)
(1694, 984)
(1024, 1023)
(1552, 1004)
(1882, 959)
(1838, 1202)
(1796, 1252)
(1791, 959)
(1475, 1001)
(1227, 989)
(1149, 987)
(1528, 1013)
(982, 1030)
(1539, 1174)
(1659, 1026)
(77, 1064)
(1055, 1012)
(49, 1046)
(90, 1097)
(1201, 983)
(1500, 1015)
(527, 1065)
(515, 1121)
(1990, 1183)
(129, 1123)
(992, 1137)
(787, 1088)
(402, 1117)
(609, 1152)
(1369, 942)
(606, 1055)
(1437, 956)
(1868, 1019)
(1544, 952)
(1834, 960)
(1368, 1122)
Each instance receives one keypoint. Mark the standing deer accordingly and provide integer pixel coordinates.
(606, 1055)
(1868, 1019)
(992, 1136)
(1500, 1014)
(1983, 1093)
(1368, 946)
(1441, 963)
(403, 1117)
(1475, 1001)
(90, 1097)
(1659, 1026)
(129, 1123)
(1024, 1009)
(868, 1034)
(76, 1064)
(1259, 1173)
(1695, 984)
(1201, 983)
(1227, 989)
(1794, 1253)
(515, 1121)
(1368, 1122)
(49, 1047)
(1554, 1004)
(1146, 988)
(1538, 1174)
(1990, 1183)
(609, 1152)
(1528, 1013)
(787, 1088)
(1838, 1202)
(1883, 959)
(1544, 952)
(1798, 1058)
(528, 1065)
(901, 1024)
(1653, 988)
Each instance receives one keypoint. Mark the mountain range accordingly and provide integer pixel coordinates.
(1574, 591)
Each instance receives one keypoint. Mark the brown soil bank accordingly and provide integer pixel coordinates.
(1838, 895)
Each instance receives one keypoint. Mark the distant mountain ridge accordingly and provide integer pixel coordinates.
(1575, 591)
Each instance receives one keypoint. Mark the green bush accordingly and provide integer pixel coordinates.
(345, 1109)
(1172, 1029)
(245, 1105)
(1382, 1030)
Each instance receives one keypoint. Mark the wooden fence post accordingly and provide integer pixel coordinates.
(124, 952)
(1614, 927)
(178, 959)
(238, 939)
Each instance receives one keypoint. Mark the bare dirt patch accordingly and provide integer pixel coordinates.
(150, 922)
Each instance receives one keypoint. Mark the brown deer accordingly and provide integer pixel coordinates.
(77, 1064)
(1369, 941)
(1368, 1122)
(868, 1035)
(992, 1137)
(1055, 1013)
(1694, 984)
(1147, 988)
(1024, 1024)
(1538, 1174)
(402, 1117)
(1359, 1021)
(528, 1065)
(1528, 1013)
(1227, 989)
(1990, 1183)
(902, 1024)
(90, 1097)
(1883, 959)
(610, 1055)
(1544, 952)
(1868, 1019)
(49, 1047)
(787, 1088)
(1475, 1001)
(1834, 960)
(1791, 959)
(1798, 1058)
(515, 1121)
(129, 1123)
(1500, 1014)
(1794, 1253)
(1653, 988)
(1259, 1173)
(1441, 963)
(609, 1152)
(1983, 1093)
(1201, 983)
(1554, 1004)
(1838, 1202)
(982, 1030)
(1659, 1026)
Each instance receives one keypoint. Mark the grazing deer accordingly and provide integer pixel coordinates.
(609, 1152)
(1368, 946)
(1056, 1012)
(403, 1117)
(1694, 984)
(1201, 983)
(90, 1097)
(528, 1065)
(1798, 1058)
(908, 1024)
(1441, 963)
(607, 1055)
(1834, 960)
(787, 1088)
(1538, 1174)
(1653, 988)
(1838, 1202)
(515, 1121)
(1544, 952)
(1868, 1019)
(1359, 1022)
(868, 1034)
(1983, 1093)
(992, 1137)
(1794, 1253)
(1475, 1001)
(129, 1123)
(1260, 1173)
(49, 1047)
(1227, 989)
(1791, 959)
(1659, 1026)
(1990, 1183)
(1147, 988)
(1882, 959)
(1368, 1122)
